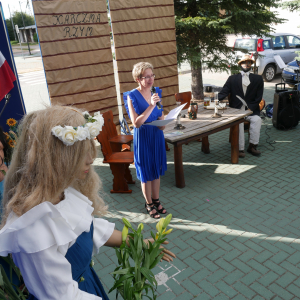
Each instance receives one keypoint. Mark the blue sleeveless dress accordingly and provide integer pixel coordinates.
(148, 141)
(79, 256)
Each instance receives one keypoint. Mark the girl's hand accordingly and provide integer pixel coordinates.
(161, 127)
(167, 254)
(154, 99)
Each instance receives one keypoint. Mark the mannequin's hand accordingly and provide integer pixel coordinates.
(167, 254)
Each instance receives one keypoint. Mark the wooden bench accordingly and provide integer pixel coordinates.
(118, 161)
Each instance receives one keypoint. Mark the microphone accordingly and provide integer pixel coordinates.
(153, 91)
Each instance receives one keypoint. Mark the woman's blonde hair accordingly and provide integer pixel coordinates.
(139, 69)
(42, 167)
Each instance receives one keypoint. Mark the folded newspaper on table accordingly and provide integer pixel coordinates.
(172, 115)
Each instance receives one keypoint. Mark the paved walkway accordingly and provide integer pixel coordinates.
(236, 227)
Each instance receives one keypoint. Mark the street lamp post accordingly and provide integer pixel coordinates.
(24, 28)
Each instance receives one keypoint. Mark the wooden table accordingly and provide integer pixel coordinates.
(202, 127)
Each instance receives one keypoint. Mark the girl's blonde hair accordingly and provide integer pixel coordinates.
(42, 167)
(139, 69)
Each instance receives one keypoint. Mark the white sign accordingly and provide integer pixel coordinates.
(17, 28)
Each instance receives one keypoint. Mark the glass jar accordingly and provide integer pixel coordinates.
(193, 110)
(206, 101)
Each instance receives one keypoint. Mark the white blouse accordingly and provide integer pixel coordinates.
(40, 239)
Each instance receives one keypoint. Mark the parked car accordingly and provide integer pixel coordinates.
(291, 73)
(283, 44)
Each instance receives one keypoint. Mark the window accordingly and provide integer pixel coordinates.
(247, 44)
(278, 42)
(293, 41)
(266, 44)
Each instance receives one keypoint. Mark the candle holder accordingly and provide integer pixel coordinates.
(217, 106)
(178, 126)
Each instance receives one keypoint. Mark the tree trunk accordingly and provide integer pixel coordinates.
(197, 82)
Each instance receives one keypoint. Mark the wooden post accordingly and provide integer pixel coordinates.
(234, 144)
(205, 145)
(179, 175)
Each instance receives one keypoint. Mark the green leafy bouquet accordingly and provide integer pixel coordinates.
(135, 281)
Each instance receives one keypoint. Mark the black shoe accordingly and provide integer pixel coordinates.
(149, 209)
(157, 203)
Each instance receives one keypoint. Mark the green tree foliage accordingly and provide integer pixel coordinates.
(292, 5)
(17, 19)
(202, 27)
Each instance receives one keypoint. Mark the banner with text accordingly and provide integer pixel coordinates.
(145, 31)
(75, 43)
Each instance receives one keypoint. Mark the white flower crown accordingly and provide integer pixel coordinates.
(69, 134)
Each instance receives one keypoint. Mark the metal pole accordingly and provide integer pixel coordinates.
(12, 23)
(24, 28)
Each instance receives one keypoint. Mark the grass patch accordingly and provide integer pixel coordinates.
(14, 43)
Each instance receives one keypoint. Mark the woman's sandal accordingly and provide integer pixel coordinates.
(157, 203)
(149, 209)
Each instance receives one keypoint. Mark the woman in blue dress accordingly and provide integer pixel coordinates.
(148, 141)
(50, 202)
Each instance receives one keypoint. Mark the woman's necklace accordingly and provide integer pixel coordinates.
(146, 97)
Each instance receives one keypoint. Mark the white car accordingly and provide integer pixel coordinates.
(283, 44)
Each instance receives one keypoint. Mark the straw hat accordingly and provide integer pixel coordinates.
(246, 57)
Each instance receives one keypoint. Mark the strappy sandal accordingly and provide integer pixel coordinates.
(157, 203)
(149, 209)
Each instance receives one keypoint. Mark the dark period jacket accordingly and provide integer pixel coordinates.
(254, 93)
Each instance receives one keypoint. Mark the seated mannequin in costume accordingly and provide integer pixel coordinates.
(50, 200)
(246, 91)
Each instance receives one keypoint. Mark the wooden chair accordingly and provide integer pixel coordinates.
(118, 142)
(118, 161)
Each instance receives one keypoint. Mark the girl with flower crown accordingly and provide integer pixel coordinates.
(50, 203)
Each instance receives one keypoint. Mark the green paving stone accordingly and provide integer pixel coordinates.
(277, 290)
(279, 257)
(193, 264)
(166, 296)
(191, 287)
(226, 289)
(216, 276)
(161, 289)
(224, 265)
(250, 277)
(208, 264)
(223, 245)
(184, 274)
(232, 255)
(216, 254)
(257, 266)
(194, 244)
(244, 290)
(233, 277)
(295, 290)
(286, 279)
(246, 256)
(290, 267)
(241, 266)
(200, 254)
(221, 297)
(186, 253)
(197, 277)
(208, 288)
(176, 288)
(267, 279)
(276, 268)
(263, 256)
(184, 296)
(239, 297)
(171, 271)
(239, 246)
(203, 296)
(179, 264)
(295, 258)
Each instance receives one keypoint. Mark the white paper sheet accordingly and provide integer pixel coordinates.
(175, 112)
(172, 115)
